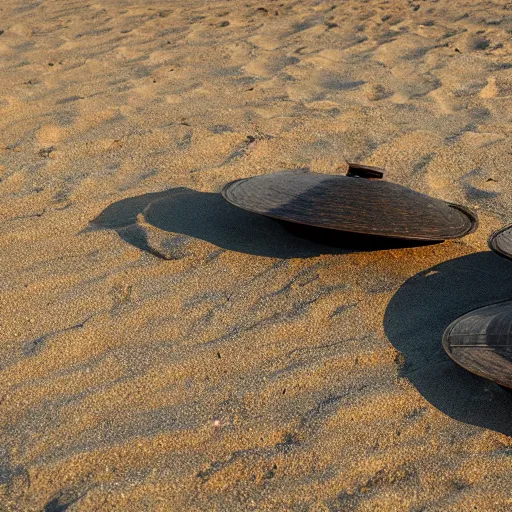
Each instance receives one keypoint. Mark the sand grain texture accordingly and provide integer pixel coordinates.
(162, 350)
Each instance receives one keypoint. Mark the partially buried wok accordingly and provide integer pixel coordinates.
(501, 242)
(481, 342)
(360, 202)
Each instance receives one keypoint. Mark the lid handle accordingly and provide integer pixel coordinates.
(365, 171)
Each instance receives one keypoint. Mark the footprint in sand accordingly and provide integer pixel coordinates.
(497, 87)
(269, 65)
(480, 186)
(473, 42)
(339, 82)
(376, 92)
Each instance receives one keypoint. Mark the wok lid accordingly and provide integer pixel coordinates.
(501, 242)
(481, 342)
(360, 202)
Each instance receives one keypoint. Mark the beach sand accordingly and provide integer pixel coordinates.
(162, 350)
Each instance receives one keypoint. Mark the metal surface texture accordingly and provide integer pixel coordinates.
(360, 202)
(481, 341)
(501, 242)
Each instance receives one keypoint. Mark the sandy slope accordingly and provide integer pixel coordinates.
(176, 354)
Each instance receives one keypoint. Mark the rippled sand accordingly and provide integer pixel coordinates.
(161, 350)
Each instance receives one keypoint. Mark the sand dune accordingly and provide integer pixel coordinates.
(162, 350)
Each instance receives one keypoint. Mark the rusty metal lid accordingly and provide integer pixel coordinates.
(360, 202)
(501, 242)
(481, 342)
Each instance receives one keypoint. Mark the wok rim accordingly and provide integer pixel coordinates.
(447, 347)
(470, 214)
(493, 242)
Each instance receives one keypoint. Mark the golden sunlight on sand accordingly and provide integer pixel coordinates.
(163, 350)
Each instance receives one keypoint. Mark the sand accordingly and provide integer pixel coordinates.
(161, 350)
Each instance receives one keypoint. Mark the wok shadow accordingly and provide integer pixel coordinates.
(207, 216)
(416, 318)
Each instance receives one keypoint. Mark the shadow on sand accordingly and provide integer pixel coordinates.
(415, 321)
(415, 318)
(207, 216)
